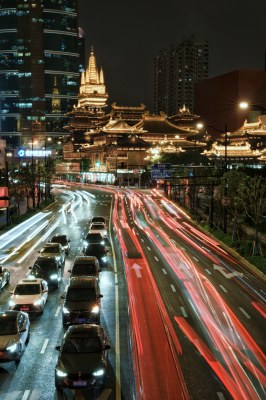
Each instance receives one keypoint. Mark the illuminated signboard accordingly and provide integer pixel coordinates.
(34, 153)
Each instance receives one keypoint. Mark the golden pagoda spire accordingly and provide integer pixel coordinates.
(83, 77)
(101, 76)
(92, 72)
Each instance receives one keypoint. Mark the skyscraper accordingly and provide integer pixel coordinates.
(39, 67)
(176, 71)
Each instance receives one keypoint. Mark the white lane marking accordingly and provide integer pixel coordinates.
(183, 248)
(223, 288)
(142, 240)
(44, 346)
(209, 272)
(183, 312)
(173, 288)
(157, 259)
(26, 395)
(244, 312)
(57, 311)
(164, 271)
(220, 396)
(148, 248)
(195, 258)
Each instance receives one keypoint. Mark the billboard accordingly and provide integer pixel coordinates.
(161, 171)
(4, 199)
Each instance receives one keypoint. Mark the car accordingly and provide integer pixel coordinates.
(97, 250)
(63, 240)
(53, 250)
(98, 227)
(82, 301)
(4, 277)
(29, 295)
(92, 238)
(83, 358)
(85, 266)
(49, 269)
(14, 335)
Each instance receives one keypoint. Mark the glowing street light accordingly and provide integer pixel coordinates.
(244, 105)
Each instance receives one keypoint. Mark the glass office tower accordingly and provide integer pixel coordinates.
(39, 68)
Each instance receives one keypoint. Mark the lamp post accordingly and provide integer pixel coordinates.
(224, 170)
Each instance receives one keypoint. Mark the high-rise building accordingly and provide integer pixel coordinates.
(39, 67)
(176, 71)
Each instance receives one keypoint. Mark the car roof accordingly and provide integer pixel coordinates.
(83, 282)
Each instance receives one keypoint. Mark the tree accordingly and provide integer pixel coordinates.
(230, 184)
(252, 195)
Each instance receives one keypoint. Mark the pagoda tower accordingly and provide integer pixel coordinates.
(88, 115)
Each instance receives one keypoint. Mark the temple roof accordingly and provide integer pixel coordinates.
(159, 124)
(241, 151)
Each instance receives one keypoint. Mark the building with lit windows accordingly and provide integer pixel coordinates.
(39, 68)
(176, 71)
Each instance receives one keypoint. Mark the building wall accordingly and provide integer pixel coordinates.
(217, 99)
(176, 71)
(39, 63)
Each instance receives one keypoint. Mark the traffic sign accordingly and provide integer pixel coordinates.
(161, 171)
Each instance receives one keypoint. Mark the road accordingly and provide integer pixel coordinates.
(184, 318)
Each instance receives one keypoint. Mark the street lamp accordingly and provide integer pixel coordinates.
(224, 169)
(245, 105)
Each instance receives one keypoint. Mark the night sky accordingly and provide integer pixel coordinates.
(127, 35)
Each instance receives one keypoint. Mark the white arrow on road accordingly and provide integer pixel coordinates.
(137, 269)
(228, 275)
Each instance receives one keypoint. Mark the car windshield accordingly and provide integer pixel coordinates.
(8, 326)
(80, 294)
(81, 269)
(98, 219)
(50, 249)
(93, 237)
(27, 289)
(82, 345)
(45, 265)
(60, 239)
(97, 227)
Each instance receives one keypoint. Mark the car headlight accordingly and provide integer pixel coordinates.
(65, 310)
(104, 259)
(38, 302)
(95, 309)
(12, 348)
(60, 373)
(99, 372)
(85, 243)
(57, 258)
(102, 242)
(54, 276)
(12, 303)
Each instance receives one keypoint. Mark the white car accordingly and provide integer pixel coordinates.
(98, 227)
(54, 250)
(29, 295)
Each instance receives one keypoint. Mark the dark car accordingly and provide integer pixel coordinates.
(49, 269)
(4, 277)
(97, 250)
(92, 238)
(82, 301)
(53, 250)
(63, 240)
(14, 335)
(83, 358)
(85, 266)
